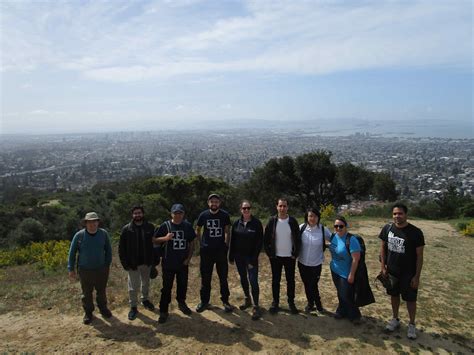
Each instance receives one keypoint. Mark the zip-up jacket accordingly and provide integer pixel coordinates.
(129, 245)
(270, 235)
(246, 239)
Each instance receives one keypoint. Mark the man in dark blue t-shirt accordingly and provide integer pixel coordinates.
(212, 228)
(175, 237)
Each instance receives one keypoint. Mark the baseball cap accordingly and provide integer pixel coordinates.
(177, 207)
(91, 216)
(213, 196)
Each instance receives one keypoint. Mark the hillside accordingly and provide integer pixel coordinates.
(41, 312)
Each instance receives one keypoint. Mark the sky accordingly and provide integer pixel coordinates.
(85, 66)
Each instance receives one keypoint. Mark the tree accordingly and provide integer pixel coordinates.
(29, 230)
(384, 187)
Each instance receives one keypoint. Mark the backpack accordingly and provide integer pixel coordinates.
(303, 227)
(363, 295)
(348, 242)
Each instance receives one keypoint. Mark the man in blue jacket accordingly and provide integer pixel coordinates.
(93, 263)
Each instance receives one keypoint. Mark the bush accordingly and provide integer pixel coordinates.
(49, 255)
(468, 231)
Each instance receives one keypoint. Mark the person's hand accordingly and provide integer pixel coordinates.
(169, 236)
(231, 261)
(186, 262)
(72, 276)
(415, 282)
(350, 279)
(250, 266)
(383, 270)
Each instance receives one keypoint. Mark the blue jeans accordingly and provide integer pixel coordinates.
(345, 295)
(246, 274)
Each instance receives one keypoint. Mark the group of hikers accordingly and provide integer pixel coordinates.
(142, 247)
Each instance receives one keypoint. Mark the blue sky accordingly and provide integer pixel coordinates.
(74, 66)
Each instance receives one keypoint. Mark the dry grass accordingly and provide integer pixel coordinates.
(41, 312)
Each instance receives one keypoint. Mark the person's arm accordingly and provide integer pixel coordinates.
(355, 263)
(227, 235)
(122, 249)
(191, 246)
(267, 237)
(72, 258)
(232, 243)
(107, 250)
(258, 242)
(161, 236)
(383, 264)
(415, 281)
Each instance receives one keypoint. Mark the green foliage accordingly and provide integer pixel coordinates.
(355, 181)
(468, 230)
(29, 230)
(49, 255)
(384, 187)
(328, 213)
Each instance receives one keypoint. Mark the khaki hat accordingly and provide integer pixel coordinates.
(91, 216)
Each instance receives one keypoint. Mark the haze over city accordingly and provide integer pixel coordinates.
(90, 66)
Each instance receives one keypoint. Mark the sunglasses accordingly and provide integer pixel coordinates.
(246, 208)
(339, 226)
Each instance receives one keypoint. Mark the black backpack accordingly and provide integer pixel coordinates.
(303, 227)
(362, 292)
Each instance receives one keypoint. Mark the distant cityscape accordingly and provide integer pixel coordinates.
(421, 167)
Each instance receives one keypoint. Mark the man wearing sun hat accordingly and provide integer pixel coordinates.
(94, 256)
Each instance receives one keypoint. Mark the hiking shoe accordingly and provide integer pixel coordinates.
(246, 304)
(201, 307)
(256, 313)
(183, 307)
(87, 318)
(105, 312)
(274, 309)
(133, 313)
(411, 334)
(148, 305)
(293, 309)
(393, 324)
(309, 308)
(228, 308)
(163, 317)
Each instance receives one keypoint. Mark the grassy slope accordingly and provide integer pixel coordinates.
(445, 313)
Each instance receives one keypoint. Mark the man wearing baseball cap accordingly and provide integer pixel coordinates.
(212, 228)
(175, 237)
(92, 244)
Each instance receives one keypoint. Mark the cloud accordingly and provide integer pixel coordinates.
(135, 41)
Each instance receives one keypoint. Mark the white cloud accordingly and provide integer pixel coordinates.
(128, 41)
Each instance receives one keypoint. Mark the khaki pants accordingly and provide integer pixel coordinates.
(138, 279)
(90, 280)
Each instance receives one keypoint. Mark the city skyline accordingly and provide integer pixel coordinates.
(143, 65)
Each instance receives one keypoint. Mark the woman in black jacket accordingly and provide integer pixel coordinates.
(246, 243)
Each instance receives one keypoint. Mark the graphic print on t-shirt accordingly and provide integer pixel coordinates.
(179, 242)
(214, 228)
(396, 244)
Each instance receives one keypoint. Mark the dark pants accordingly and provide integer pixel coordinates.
(345, 294)
(246, 274)
(181, 286)
(209, 257)
(277, 264)
(90, 280)
(310, 276)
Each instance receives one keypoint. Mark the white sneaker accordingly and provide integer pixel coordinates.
(411, 334)
(392, 325)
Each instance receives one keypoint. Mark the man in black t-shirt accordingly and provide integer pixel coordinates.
(213, 231)
(401, 255)
(175, 237)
